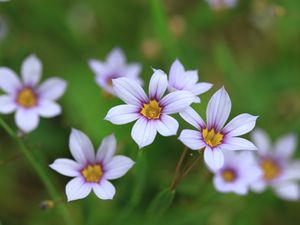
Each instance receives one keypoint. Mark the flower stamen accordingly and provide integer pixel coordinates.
(27, 98)
(270, 169)
(228, 175)
(152, 110)
(92, 173)
(211, 137)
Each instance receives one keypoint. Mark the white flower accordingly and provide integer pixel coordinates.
(281, 172)
(114, 67)
(238, 172)
(213, 136)
(221, 4)
(151, 113)
(179, 79)
(92, 171)
(27, 98)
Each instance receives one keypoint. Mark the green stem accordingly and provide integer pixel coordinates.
(39, 169)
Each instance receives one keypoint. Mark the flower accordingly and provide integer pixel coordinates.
(151, 113)
(114, 67)
(27, 98)
(179, 79)
(213, 136)
(280, 172)
(91, 171)
(238, 172)
(221, 4)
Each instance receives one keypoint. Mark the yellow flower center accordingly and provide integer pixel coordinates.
(211, 137)
(92, 173)
(228, 175)
(27, 98)
(152, 110)
(270, 169)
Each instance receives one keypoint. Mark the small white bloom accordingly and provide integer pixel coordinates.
(179, 79)
(213, 136)
(221, 4)
(29, 100)
(92, 171)
(238, 172)
(114, 67)
(151, 113)
(281, 173)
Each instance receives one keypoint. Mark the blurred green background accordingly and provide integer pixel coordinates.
(252, 49)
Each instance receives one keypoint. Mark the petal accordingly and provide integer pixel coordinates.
(9, 81)
(31, 70)
(66, 167)
(97, 66)
(105, 190)
(52, 89)
(123, 114)
(261, 140)
(214, 159)
(167, 125)
(237, 143)
(77, 188)
(218, 109)
(192, 139)
(158, 84)
(258, 186)
(143, 132)
(289, 191)
(286, 145)
(117, 167)
(292, 171)
(192, 117)
(177, 101)
(116, 58)
(106, 149)
(48, 109)
(27, 120)
(201, 88)
(81, 147)
(240, 125)
(133, 70)
(7, 104)
(129, 91)
(176, 72)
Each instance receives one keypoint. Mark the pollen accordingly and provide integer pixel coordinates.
(152, 110)
(270, 169)
(27, 98)
(228, 175)
(211, 137)
(92, 173)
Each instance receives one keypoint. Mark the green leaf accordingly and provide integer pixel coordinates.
(161, 202)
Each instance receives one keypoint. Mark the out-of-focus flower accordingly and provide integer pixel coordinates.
(92, 171)
(3, 28)
(221, 4)
(179, 79)
(280, 172)
(150, 48)
(29, 100)
(238, 172)
(151, 113)
(213, 136)
(114, 67)
(177, 25)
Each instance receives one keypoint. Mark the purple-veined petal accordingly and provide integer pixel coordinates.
(117, 167)
(26, 119)
(143, 132)
(192, 117)
(52, 89)
(261, 140)
(177, 101)
(129, 91)
(189, 79)
(81, 147)
(7, 104)
(192, 139)
(167, 125)
(240, 125)
(175, 73)
(201, 88)
(158, 84)
(218, 109)
(31, 70)
(214, 158)
(97, 66)
(48, 108)
(77, 188)
(116, 58)
(123, 114)
(66, 167)
(104, 190)
(286, 146)
(289, 191)
(237, 143)
(9, 81)
(106, 149)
